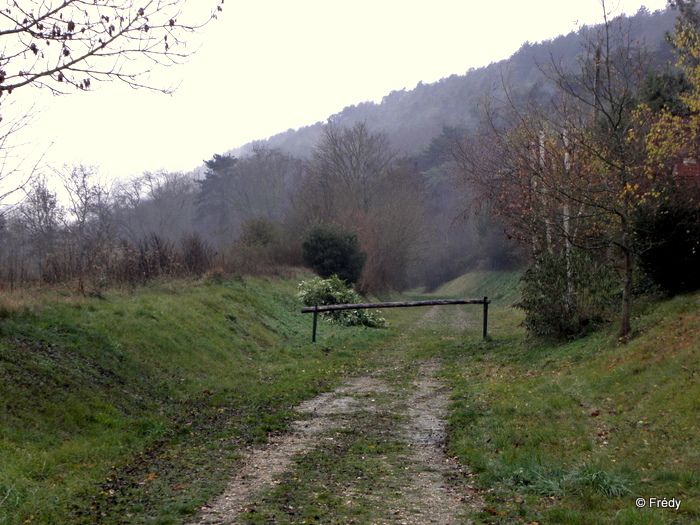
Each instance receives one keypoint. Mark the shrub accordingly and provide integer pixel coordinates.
(330, 250)
(558, 305)
(258, 251)
(318, 292)
(197, 255)
(260, 231)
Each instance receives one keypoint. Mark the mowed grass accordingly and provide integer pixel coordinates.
(132, 408)
(575, 433)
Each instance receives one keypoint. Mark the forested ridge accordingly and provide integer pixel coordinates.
(412, 118)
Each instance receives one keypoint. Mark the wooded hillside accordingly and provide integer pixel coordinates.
(468, 173)
(412, 118)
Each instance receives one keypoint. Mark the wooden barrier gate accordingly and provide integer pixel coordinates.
(326, 308)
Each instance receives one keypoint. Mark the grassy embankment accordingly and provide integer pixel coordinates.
(575, 433)
(132, 409)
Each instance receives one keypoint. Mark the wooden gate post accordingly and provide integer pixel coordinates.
(313, 334)
(486, 316)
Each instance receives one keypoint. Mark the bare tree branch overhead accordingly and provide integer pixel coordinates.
(63, 44)
(66, 45)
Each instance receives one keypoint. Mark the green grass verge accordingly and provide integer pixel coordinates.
(575, 433)
(133, 408)
(500, 287)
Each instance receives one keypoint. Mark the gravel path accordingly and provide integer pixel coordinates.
(427, 496)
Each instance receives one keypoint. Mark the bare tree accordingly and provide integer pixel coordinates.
(89, 219)
(42, 216)
(355, 179)
(60, 43)
(262, 182)
(392, 231)
(12, 164)
(14, 256)
(72, 44)
(348, 165)
(605, 87)
(160, 203)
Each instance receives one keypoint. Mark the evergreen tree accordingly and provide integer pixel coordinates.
(330, 250)
(213, 211)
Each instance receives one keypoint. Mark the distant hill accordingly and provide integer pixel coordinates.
(412, 118)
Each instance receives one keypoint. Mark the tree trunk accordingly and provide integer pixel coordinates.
(625, 317)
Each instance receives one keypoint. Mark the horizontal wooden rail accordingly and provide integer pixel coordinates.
(360, 306)
(436, 302)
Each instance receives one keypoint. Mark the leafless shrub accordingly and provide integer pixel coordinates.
(196, 255)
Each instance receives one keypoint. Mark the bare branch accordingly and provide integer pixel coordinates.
(60, 43)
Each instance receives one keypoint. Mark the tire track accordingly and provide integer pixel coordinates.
(427, 494)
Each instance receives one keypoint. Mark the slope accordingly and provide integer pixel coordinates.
(412, 118)
(133, 405)
(139, 407)
(592, 431)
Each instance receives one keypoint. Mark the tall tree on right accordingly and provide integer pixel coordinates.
(569, 175)
(612, 135)
(675, 134)
(668, 228)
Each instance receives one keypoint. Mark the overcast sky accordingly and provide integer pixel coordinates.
(269, 65)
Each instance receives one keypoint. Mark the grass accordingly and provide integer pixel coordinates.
(137, 405)
(342, 480)
(574, 433)
(135, 408)
(500, 287)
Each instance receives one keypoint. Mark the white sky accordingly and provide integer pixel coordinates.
(269, 65)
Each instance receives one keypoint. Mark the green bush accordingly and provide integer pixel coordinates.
(330, 250)
(558, 305)
(318, 292)
(259, 231)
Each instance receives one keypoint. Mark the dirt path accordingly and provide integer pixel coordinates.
(423, 494)
(455, 316)
(429, 493)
